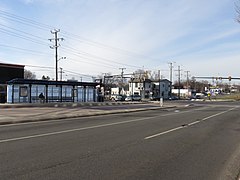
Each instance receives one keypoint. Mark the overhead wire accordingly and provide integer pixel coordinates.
(26, 33)
(100, 58)
(26, 50)
(72, 36)
(97, 60)
(42, 26)
(97, 44)
(25, 21)
(21, 36)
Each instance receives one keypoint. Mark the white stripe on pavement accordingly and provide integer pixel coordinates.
(86, 128)
(190, 124)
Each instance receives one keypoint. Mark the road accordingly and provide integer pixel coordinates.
(200, 141)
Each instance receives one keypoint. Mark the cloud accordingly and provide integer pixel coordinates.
(132, 32)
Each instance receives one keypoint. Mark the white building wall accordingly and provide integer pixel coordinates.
(183, 92)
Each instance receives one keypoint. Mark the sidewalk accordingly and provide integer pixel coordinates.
(20, 113)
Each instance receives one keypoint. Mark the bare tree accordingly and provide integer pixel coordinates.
(29, 75)
(141, 74)
(45, 78)
(237, 9)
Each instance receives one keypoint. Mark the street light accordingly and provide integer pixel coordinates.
(57, 66)
(62, 58)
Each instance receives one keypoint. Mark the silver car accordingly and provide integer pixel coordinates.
(133, 98)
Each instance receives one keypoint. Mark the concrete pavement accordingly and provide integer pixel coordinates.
(20, 113)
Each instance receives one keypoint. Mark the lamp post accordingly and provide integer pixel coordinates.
(132, 88)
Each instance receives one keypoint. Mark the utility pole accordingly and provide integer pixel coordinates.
(179, 81)
(61, 73)
(171, 79)
(122, 73)
(187, 78)
(171, 70)
(104, 84)
(55, 46)
(122, 76)
(159, 77)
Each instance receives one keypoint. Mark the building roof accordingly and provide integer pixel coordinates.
(46, 82)
(139, 80)
(162, 80)
(12, 65)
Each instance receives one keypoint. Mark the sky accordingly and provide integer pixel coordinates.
(103, 36)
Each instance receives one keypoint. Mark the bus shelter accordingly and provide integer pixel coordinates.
(28, 91)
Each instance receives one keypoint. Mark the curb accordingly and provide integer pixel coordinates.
(57, 117)
(69, 105)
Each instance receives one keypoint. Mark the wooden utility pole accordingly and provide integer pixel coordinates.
(55, 46)
(187, 78)
(179, 81)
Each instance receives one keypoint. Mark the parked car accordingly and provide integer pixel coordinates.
(133, 98)
(173, 98)
(155, 98)
(117, 98)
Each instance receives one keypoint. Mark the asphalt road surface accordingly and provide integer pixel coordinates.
(195, 142)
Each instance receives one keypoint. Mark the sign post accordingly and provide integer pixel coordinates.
(161, 102)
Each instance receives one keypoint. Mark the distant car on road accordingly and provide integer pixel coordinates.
(133, 98)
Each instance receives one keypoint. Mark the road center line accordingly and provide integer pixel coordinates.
(165, 132)
(206, 118)
(72, 130)
(190, 124)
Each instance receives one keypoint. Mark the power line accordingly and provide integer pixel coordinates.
(72, 36)
(97, 44)
(49, 67)
(27, 50)
(25, 33)
(90, 62)
(45, 67)
(25, 21)
(97, 57)
(21, 36)
(86, 75)
(41, 26)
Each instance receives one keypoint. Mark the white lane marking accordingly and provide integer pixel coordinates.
(165, 132)
(72, 130)
(193, 123)
(181, 112)
(190, 124)
(86, 128)
(214, 115)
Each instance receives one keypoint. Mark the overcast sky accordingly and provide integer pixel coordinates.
(101, 36)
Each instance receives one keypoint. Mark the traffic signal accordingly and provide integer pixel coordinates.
(229, 78)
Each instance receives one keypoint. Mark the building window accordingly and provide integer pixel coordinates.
(136, 84)
(23, 91)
